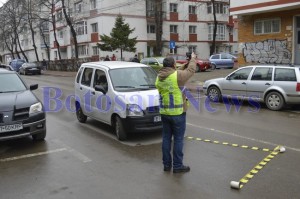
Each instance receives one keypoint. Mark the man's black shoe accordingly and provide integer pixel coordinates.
(182, 169)
(167, 168)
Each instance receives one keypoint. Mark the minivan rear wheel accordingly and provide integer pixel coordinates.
(274, 101)
(119, 129)
(81, 117)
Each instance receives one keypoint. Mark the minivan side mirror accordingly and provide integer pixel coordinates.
(228, 77)
(33, 87)
(100, 89)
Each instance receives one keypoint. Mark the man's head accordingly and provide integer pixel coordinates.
(169, 62)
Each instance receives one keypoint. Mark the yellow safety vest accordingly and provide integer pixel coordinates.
(170, 98)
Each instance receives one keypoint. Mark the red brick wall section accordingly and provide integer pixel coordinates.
(266, 48)
(94, 37)
(192, 18)
(174, 36)
(193, 37)
(173, 16)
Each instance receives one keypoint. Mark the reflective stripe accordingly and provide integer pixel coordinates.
(172, 106)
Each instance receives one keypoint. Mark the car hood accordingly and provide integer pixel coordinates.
(144, 99)
(216, 80)
(18, 100)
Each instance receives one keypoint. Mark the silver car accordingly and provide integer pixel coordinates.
(273, 85)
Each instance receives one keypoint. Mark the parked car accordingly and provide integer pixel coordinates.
(30, 68)
(222, 60)
(273, 85)
(17, 63)
(21, 112)
(7, 67)
(122, 94)
(202, 65)
(155, 62)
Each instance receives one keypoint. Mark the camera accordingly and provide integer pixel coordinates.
(188, 55)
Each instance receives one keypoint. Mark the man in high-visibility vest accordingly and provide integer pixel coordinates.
(173, 106)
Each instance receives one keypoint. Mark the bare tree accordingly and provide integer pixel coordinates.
(159, 25)
(213, 45)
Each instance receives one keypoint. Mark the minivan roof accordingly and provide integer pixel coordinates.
(272, 65)
(114, 64)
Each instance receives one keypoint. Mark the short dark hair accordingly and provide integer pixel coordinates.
(169, 62)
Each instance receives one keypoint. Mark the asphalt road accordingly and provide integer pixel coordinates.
(224, 143)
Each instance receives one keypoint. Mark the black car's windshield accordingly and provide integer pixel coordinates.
(130, 79)
(11, 83)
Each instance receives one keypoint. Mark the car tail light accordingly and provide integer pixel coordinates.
(298, 87)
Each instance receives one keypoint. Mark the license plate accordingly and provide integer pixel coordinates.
(157, 119)
(12, 127)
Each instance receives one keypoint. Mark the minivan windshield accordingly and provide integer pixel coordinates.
(10, 82)
(131, 79)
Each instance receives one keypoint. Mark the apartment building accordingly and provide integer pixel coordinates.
(188, 24)
(269, 31)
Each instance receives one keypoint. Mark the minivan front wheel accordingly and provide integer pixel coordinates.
(81, 117)
(119, 129)
(274, 101)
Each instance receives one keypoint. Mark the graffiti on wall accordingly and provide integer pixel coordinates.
(271, 51)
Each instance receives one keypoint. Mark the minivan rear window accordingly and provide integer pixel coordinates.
(285, 74)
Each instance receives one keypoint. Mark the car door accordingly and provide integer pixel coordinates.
(85, 90)
(226, 61)
(235, 84)
(101, 102)
(215, 59)
(259, 82)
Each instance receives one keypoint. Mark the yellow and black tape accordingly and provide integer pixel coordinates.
(255, 170)
(229, 144)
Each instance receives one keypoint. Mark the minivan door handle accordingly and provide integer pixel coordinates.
(267, 84)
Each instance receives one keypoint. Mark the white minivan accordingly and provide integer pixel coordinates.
(121, 94)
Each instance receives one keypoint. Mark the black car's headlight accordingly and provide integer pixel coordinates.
(36, 108)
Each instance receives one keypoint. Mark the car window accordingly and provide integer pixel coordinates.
(285, 74)
(224, 56)
(11, 83)
(241, 74)
(128, 79)
(152, 61)
(100, 79)
(215, 57)
(144, 61)
(261, 74)
(79, 75)
(87, 76)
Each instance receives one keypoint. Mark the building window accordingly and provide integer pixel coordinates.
(59, 16)
(150, 28)
(95, 50)
(192, 29)
(267, 26)
(220, 36)
(173, 51)
(173, 28)
(60, 34)
(192, 49)
(78, 7)
(192, 9)
(221, 8)
(173, 7)
(81, 28)
(93, 4)
(82, 50)
(94, 27)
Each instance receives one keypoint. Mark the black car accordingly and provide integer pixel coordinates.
(21, 113)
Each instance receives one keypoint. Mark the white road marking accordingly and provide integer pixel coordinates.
(75, 153)
(32, 155)
(244, 137)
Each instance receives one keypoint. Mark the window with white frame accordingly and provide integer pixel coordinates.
(81, 28)
(82, 50)
(221, 8)
(78, 7)
(95, 50)
(173, 7)
(192, 29)
(192, 9)
(220, 35)
(267, 26)
(173, 28)
(192, 49)
(60, 34)
(94, 27)
(93, 4)
(59, 15)
(150, 28)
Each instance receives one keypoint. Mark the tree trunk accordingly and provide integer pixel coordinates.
(54, 34)
(213, 45)
(159, 23)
